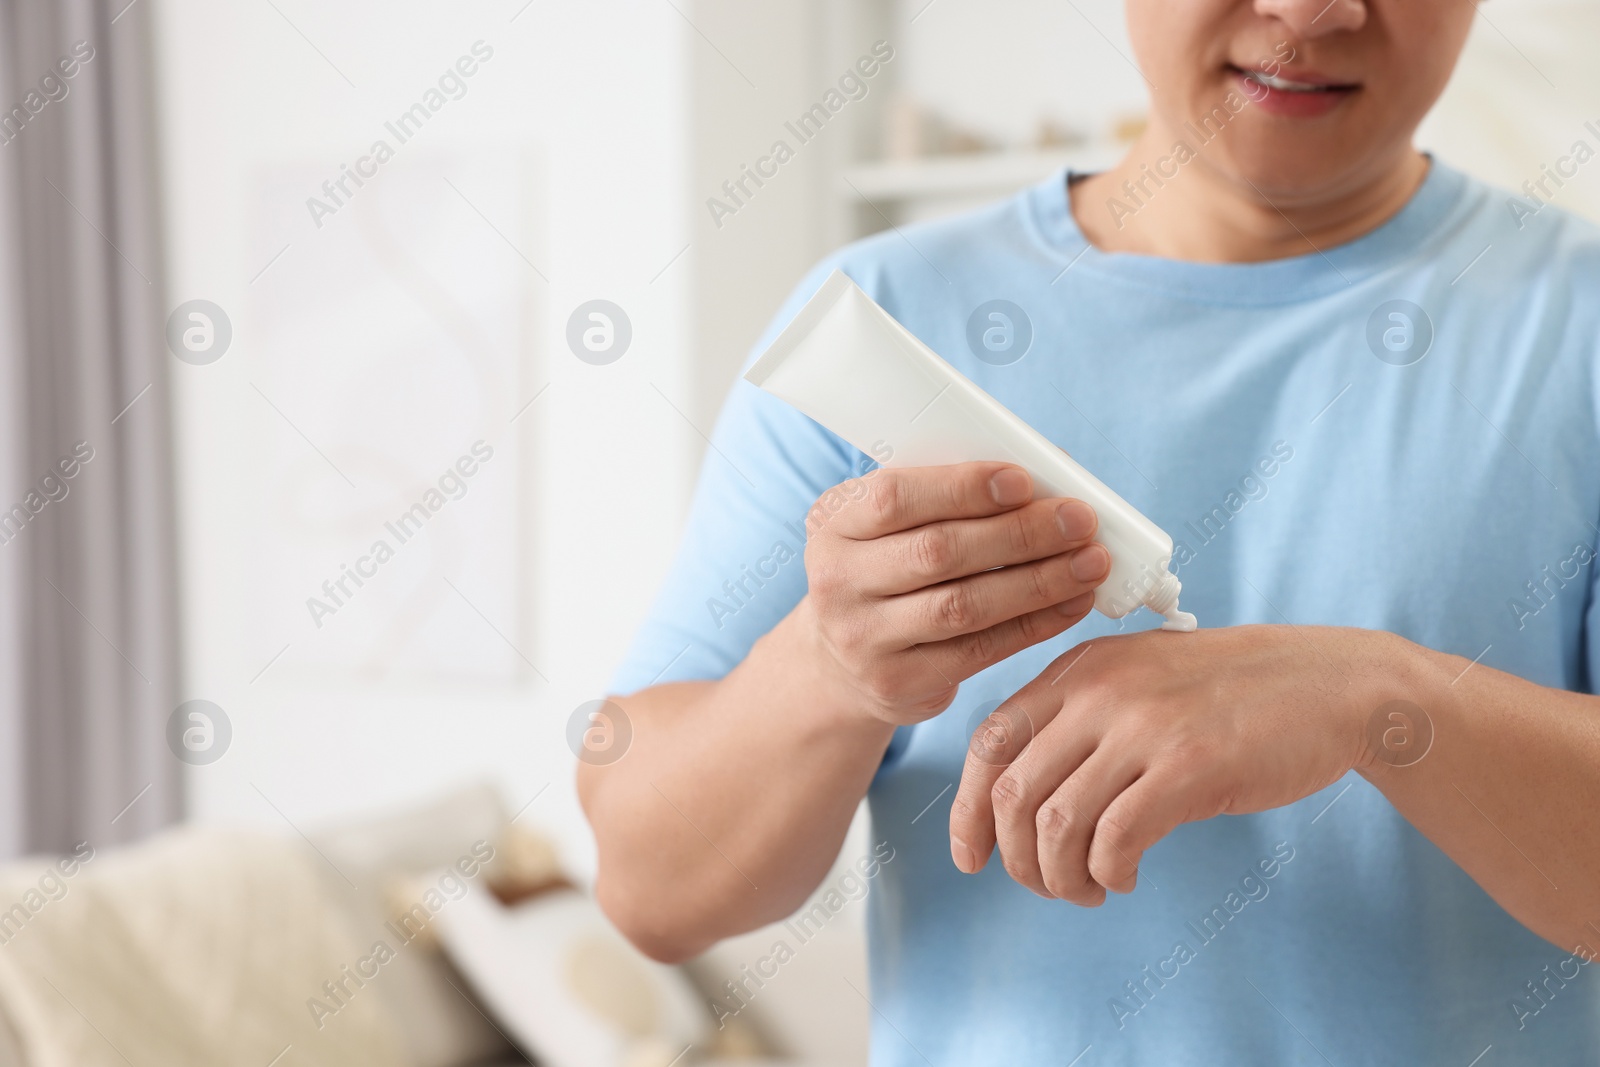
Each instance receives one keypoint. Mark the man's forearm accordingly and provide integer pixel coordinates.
(733, 798)
(1510, 789)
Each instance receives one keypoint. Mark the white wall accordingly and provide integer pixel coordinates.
(392, 337)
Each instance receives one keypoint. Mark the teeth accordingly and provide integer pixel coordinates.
(1283, 84)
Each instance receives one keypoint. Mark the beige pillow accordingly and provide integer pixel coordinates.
(569, 989)
(386, 858)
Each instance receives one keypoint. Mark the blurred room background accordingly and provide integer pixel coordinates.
(381, 331)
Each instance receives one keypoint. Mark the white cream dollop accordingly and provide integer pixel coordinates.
(1180, 621)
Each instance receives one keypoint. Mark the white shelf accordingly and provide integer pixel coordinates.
(979, 174)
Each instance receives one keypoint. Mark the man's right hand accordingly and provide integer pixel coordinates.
(921, 577)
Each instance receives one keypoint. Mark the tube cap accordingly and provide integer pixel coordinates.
(1163, 600)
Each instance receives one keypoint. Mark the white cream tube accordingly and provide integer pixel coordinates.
(846, 363)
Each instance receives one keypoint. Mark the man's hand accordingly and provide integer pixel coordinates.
(921, 577)
(1122, 739)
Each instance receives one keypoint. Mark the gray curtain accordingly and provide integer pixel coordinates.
(88, 637)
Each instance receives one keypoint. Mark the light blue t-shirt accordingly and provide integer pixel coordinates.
(1324, 453)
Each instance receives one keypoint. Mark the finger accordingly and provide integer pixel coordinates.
(964, 656)
(943, 551)
(1021, 790)
(968, 605)
(935, 668)
(1147, 811)
(887, 501)
(1000, 739)
(1066, 824)
(997, 741)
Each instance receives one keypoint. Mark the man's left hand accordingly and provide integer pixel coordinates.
(1122, 739)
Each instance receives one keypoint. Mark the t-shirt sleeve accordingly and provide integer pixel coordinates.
(740, 568)
(1591, 626)
(1591, 618)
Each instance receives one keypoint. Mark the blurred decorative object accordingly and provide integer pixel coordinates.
(570, 990)
(913, 131)
(737, 1039)
(902, 128)
(1126, 129)
(525, 865)
(1055, 133)
(88, 613)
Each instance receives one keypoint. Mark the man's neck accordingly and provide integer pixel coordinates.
(1203, 215)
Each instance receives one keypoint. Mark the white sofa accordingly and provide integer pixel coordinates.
(228, 947)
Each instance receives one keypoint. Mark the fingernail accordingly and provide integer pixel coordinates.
(1010, 486)
(1090, 562)
(1077, 605)
(966, 862)
(1075, 520)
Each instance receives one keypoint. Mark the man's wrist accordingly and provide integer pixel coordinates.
(839, 703)
(1403, 689)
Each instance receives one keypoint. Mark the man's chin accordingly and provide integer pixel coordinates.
(1286, 173)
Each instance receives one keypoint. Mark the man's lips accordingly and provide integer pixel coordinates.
(1297, 94)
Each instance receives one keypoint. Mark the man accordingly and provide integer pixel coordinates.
(1359, 389)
